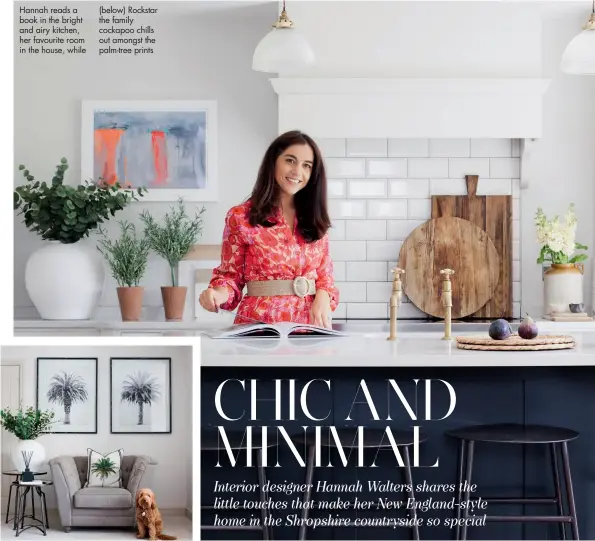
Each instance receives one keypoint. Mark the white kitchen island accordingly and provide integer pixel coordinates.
(417, 345)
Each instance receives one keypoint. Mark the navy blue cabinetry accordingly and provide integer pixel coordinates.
(553, 396)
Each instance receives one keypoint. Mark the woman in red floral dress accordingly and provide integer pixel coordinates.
(276, 243)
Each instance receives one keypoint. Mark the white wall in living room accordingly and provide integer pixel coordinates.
(170, 478)
(202, 53)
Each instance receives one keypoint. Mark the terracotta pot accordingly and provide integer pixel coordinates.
(174, 299)
(131, 302)
(563, 286)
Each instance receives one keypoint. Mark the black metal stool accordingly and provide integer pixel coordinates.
(556, 438)
(22, 489)
(373, 439)
(17, 475)
(210, 442)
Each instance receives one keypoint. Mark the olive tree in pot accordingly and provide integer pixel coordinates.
(172, 241)
(127, 258)
(64, 279)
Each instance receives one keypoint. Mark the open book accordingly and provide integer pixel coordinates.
(274, 330)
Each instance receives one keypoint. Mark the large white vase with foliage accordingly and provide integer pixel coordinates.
(65, 281)
(64, 278)
(28, 446)
(27, 424)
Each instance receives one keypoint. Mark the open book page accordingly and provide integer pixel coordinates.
(273, 330)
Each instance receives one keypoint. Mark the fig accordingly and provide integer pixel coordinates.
(528, 328)
(500, 330)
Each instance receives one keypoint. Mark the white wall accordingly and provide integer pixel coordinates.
(565, 155)
(171, 478)
(208, 56)
(480, 39)
(200, 54)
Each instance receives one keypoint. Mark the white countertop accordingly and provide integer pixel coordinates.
(417, 348)
(419, 343)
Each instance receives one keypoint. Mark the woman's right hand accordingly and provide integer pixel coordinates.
(213, 297)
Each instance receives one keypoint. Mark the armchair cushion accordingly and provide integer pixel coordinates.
(103, 497)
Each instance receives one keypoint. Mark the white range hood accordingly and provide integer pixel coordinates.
(414, 108)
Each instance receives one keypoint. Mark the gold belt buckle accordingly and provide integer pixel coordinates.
(301, 286)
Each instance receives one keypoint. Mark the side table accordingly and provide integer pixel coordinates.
(23, 488)
(17, 475)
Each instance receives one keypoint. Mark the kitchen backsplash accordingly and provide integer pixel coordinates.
(380, 191)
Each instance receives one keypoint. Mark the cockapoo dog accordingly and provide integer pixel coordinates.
(148, 517)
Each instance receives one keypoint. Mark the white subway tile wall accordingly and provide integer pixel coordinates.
(380, 191)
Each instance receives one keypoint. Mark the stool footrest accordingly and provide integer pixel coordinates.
(529, 518)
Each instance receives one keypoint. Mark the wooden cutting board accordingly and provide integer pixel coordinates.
(492, 214)
(451, 243)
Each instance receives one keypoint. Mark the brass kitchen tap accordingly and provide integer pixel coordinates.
(447, 302)
(395, 301)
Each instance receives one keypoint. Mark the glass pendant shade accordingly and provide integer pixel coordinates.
(579, 56)
(283, 49)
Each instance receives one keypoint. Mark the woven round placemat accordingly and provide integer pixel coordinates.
(541, 347)
(515, 340)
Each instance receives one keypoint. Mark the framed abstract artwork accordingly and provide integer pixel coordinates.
(140, 395)
(167, 147)
(68, 387)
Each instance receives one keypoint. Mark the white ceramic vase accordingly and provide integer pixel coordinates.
(37, 458)
(65, 281)
(563, 285)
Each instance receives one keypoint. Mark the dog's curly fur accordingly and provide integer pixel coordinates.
(148, 517)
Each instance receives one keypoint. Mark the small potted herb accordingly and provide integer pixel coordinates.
(27, 425)
(172, 241)
(127, 258)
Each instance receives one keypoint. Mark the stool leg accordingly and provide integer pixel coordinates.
(308, 493)
(45, 506)
(44, 515)
(569, 490)
(468, 472)
(558, 487)
(461, 462)
(8, 504)
(261, 482)
(16, 509)
(409, 481)
(24, 510)
(33, 503)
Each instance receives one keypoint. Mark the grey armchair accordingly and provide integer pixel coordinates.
(97, 506)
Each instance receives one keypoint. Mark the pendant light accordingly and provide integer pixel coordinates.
(283, 49)
(579, 56)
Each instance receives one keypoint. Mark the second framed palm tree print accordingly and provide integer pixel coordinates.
(140, 395)
(68, 387)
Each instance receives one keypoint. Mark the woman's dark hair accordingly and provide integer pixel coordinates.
(310, 203)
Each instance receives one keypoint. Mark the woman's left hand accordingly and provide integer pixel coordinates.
(321, 308)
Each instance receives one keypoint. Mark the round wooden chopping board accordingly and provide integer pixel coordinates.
(449, 243)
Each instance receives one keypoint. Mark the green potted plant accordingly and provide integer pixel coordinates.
(172, 241)
(127, 258)
(64, 279)
(27, 425)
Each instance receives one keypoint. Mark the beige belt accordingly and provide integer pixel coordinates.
(299, 286)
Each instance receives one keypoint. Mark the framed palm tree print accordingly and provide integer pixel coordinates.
(68, 387)
(140, 395)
